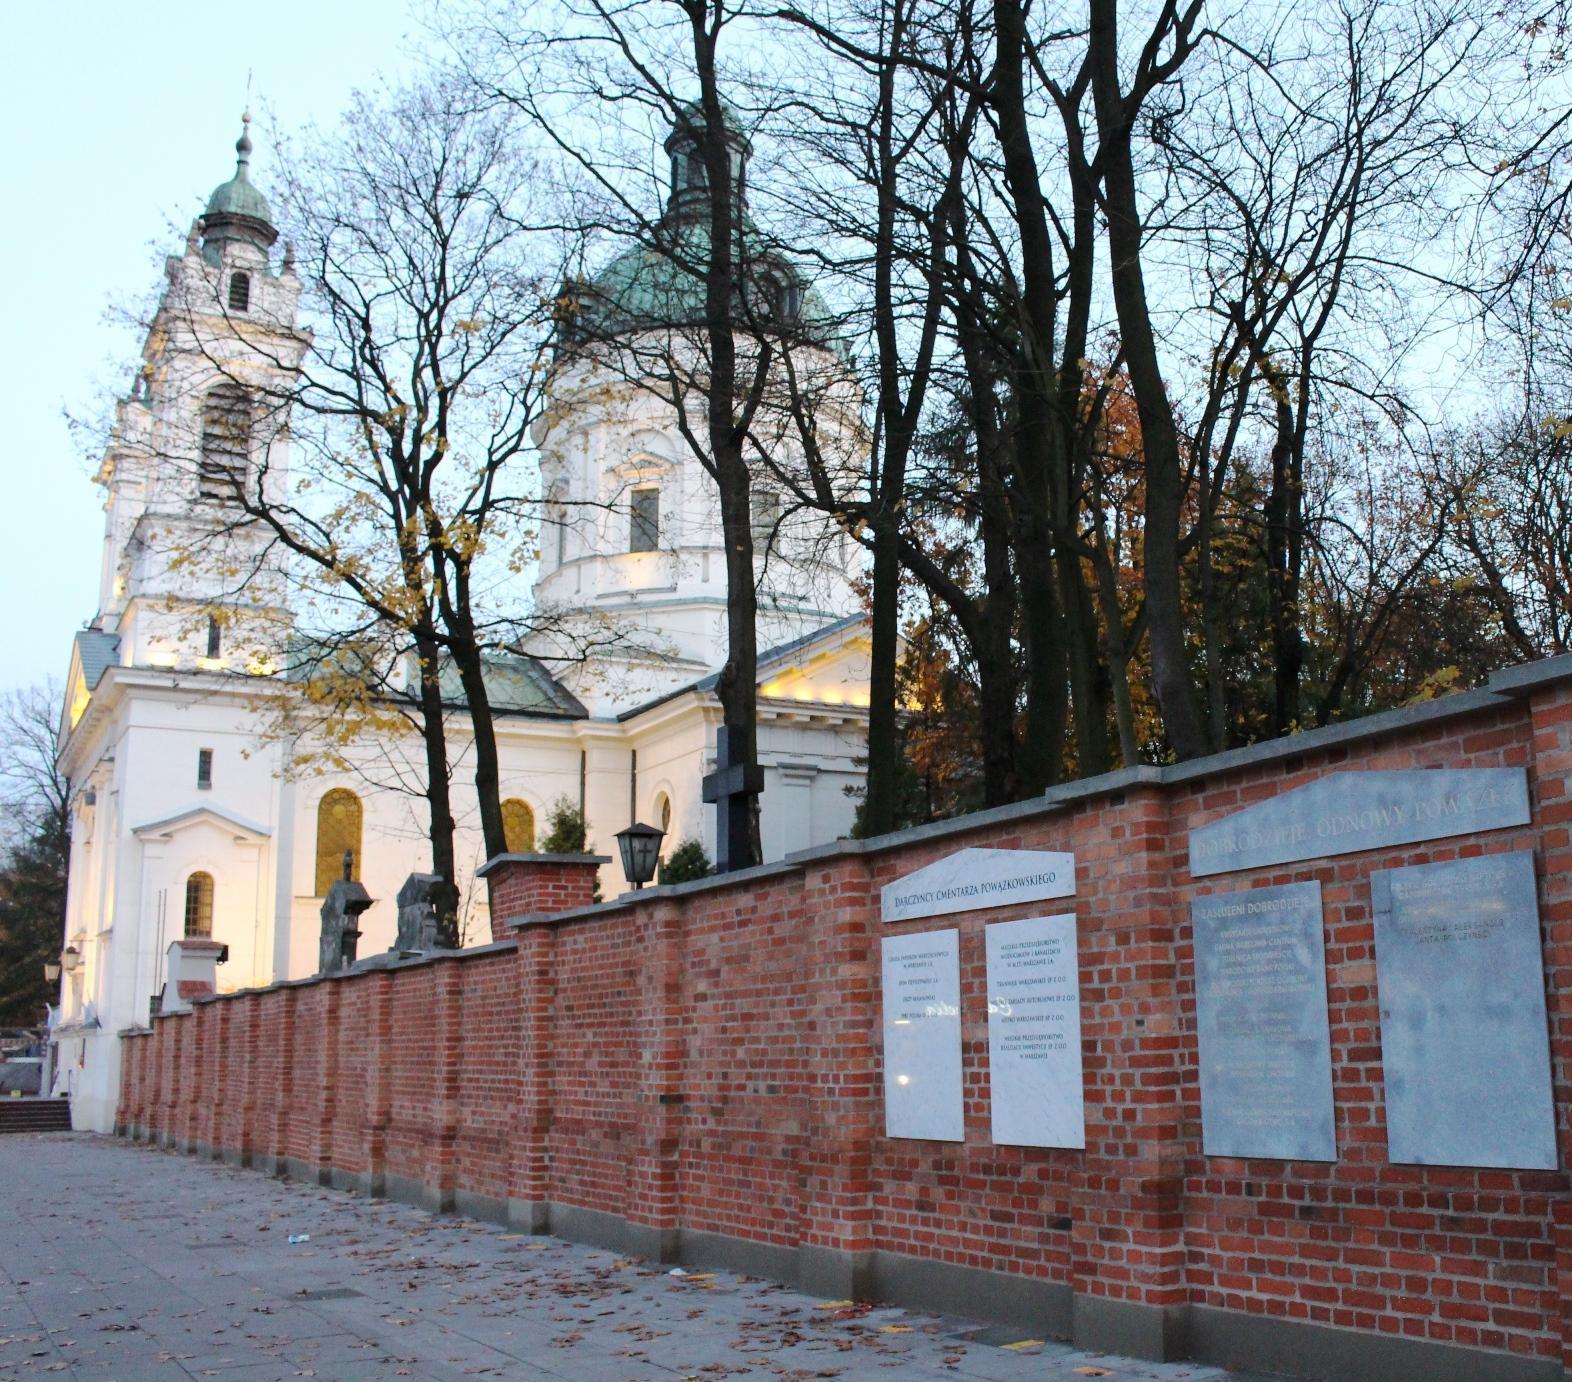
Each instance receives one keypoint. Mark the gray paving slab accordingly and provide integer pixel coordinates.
(122, 1262)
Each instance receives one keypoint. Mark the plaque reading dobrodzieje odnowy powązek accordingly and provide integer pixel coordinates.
(1345, 813)
(973, 878)
(1034, 1033)
(922, 1036)
(1264, 1036)
(1465, 1052)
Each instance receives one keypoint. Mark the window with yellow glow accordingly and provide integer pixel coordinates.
(199, 904)
(518, 826)
(338, 831)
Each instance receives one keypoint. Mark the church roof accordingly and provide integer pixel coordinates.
(237, 203)
(97, 651)
(769, 659)
(659, 281)
(515, 683)
(661, 284)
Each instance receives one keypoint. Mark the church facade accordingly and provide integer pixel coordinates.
(190, 813)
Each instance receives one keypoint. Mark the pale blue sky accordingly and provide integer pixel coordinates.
(119, 120)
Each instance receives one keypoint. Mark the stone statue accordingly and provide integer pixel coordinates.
(341, 910)
(427, 914)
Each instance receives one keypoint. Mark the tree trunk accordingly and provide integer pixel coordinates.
(434, 736)
(883, 753)
(1171, 677)
(471, 670)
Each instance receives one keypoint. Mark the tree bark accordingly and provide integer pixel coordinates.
(1171, 676)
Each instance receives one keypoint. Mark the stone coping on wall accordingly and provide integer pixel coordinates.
(400, 962)
(1512, 683)
(532, 858)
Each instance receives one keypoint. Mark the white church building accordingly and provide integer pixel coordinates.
(191, 817)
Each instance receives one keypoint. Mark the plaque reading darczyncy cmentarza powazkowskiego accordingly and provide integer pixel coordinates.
(1344, 813)
(1465, 1051)
(1034, 1033)
(1261, 1019)
(922, 1037)
(973, 878)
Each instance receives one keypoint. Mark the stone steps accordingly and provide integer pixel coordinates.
(35, 1115)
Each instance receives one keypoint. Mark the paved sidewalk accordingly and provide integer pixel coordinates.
(119, 1261)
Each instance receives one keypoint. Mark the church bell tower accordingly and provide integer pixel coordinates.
(187, 580)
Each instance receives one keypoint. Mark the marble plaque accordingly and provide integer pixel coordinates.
(1464, 1045)
(973, 878)
(1261, 1020)
(1344, 813)
(922, 1037)
(1034, 1033)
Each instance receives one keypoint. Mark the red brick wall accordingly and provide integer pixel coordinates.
(710, 1061)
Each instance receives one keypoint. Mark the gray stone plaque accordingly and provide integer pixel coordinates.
(1464, 1043)
(1344, 813)
(973, 878)
(922, 1036)
(1034, 1033)
(1265, 1041)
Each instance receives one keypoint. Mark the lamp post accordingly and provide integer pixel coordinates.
(640, 848)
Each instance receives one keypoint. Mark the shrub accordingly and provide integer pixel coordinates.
(685, 863)
(566, 831)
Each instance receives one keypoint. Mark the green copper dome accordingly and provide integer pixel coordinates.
(661, 283)
(236, 210)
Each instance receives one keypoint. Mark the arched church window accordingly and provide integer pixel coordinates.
(518, 826)
(226, 442)
(644, 521)
(239, 292)
(663, 811)
(199, 904)
(338, 833)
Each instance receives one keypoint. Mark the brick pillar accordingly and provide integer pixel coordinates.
(447, 1062)
(840, 975)
(321, 1155)
(215, 1074)
(379, 1098)
(240, 1144)
(529, 885)
(1127, 1235)
(529, 1167)
(153, 1105)
(284, 1034)
(193, 1079)
(652, 1183)
(1550, 788)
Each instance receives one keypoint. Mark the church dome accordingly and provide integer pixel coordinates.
(237, 210)
(660, 283)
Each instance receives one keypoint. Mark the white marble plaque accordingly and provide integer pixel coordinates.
(973, 878)
(922, 1037)
(1465, 1051)
(1034, 1033)
(1262, 1027)
(1344, 813)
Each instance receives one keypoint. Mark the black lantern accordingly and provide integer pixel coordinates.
(51, 971)
(71, 959)
(640, 846)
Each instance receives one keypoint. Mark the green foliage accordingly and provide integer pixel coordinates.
(685, 863)
(566, 832)
(32, 922)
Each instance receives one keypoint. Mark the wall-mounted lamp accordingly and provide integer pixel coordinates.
(640, 847)
(51, 971)
(71, 961)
